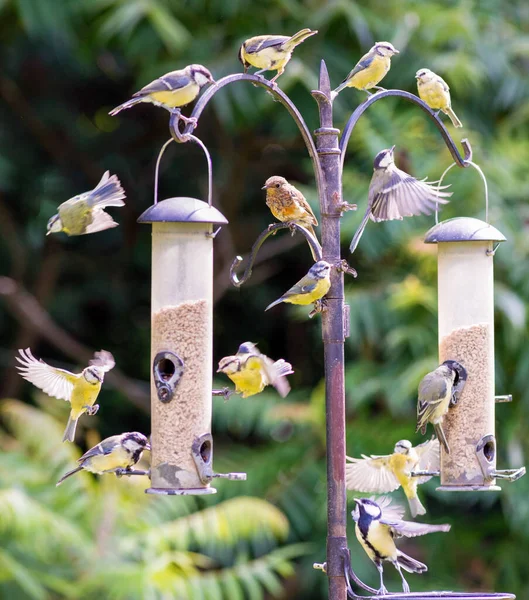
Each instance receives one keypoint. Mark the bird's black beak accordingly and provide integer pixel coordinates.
(392, 149)
(147, 447)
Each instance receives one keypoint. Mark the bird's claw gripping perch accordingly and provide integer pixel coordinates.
(128, 472)
(225, 392)
(91, 410)
(319, 307)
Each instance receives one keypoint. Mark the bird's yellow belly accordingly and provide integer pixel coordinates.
(177, 98)
(117, 459)
(83, 394)
(322, 287)
(368, 78)
(269, 58)
(434, 95)
(402, 467)
(248, 381)
(379, 538)
(75, 217)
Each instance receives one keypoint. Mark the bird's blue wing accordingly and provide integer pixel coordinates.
(362, 64)
(171, 81)
(261, 44)
(103, 448)
(304, 286)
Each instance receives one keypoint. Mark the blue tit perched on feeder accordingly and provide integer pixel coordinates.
(172, 90)
(115, 454)
(271, 52)
(310, 289)
(79, 389)
(251, 371)
(377, 524)
(434, 90)
(383, 474)
(85, 213)
(370, 69)
(394, 194)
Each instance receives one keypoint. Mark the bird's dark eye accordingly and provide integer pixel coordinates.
(278, 185)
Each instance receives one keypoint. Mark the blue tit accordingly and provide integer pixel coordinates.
(310, 289)
(251, 371)
(79, 389)
(393, 194)
(435, 394)
(172, 90)
(435, 92)
(377, 524)
(383, 474)
(85, 213)
(370, 69)
(116, 454)
(271, 52)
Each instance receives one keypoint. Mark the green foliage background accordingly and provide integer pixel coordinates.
(65, 64)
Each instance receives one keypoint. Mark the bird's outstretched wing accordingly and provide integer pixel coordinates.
(411, 529)
(55, 382)
(108, 192)
(100, 222)
(275, 374)
(263, 42)
(175, 80)
(370, 474)
(103, 359)
(391, 511)
(429, 458)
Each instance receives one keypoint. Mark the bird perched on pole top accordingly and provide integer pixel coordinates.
(393, 194)
(85, 213)
(434, 90)
(271, 52)
(370, 69)
(435, 394)
(377, 524)
(172, 90)
(79, 389)
(383, 474)
(251, 371)
(116, 454)
(310, 289)
(289, 205)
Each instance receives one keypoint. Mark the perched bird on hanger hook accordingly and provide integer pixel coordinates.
(310, 289)
(85, 213)
(435, 92)
(116, 454)
(79, 389)
(370, 69)
(171, 91)
(393, 194)
(383, 474)
(289, 205)
(271, 52)
(251, 371)
(377, 524)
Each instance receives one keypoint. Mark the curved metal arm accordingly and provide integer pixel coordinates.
(350, 574)
(353, 119)
(270, 230)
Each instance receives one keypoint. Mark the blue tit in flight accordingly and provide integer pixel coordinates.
(377, 524)
(85, 213)
(172, 90)
(116, 454)
(251, 371)
(310, 289)
(271, 52)
(79, 389)
(434, 399)
(435, 92)
(383, 474)
(370, 69)
(393, 194)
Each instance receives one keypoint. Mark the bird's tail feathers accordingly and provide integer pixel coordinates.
(409, 564)
(360, 231)
(125, 105)
(108, 192)
(453, 117)
(416, 508)
(335, 92)
(69, 432)
(282, 368)
(278, 301)
(69, 474)
(439, 432)
(297, 38)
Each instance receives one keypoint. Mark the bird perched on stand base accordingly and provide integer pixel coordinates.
(85, 213)
(116, 454)
(251, 371)
(393, 194)
(271, 52)
(377, 524)
(434, 90)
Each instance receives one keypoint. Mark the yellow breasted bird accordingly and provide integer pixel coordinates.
(116, 454)
(435, 393)
(79, 389)
(172, 90)
(289, 205)
(383, 474)
(435, 92)
(251, 371)
(271, 52)
(377, 524)
(370, 69)
(311, 288)
(85, 213)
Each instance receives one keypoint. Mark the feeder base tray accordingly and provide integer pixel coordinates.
(440, 595)
(468, 488)
(181, 491)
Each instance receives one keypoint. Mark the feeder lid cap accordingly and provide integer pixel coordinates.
(182, 210)
(463, 229)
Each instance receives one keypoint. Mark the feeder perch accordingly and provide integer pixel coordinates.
(182, 345)
(466, 248)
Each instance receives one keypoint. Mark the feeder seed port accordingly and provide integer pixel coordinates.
(167, 369)
(202, 451)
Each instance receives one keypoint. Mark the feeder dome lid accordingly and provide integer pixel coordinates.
(182, 210)
(463, 229)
